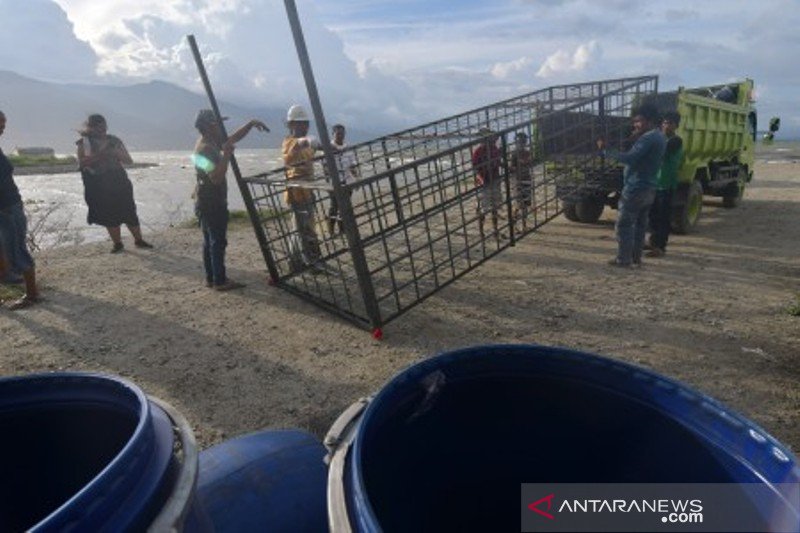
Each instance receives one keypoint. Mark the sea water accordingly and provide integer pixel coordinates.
(57, 210)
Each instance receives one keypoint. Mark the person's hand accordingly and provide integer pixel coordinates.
(478, 180)
(227, 149)
(601, 144)
(260, 126)
(312, 142)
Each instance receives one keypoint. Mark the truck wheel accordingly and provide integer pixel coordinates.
(688, 214)
(589, 210)
(569, 212)
(734, 200)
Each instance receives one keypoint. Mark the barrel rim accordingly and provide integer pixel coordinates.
(137, 443)
(768, 448)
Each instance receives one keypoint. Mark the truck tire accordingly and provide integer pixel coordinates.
(589, 210)
(688, 213)
(734, 200)
(569, 212)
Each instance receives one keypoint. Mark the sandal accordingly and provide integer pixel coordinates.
(25, 302)
(141, 243)
(117, 248)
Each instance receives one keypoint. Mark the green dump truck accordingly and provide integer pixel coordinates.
(718, 128)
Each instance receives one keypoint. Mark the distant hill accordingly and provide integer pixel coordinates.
(146, 116)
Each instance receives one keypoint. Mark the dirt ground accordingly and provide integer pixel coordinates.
(713, 313)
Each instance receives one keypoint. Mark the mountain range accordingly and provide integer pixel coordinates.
(147, 116)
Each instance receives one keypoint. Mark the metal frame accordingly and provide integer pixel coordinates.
(409, 223)
(413, 210)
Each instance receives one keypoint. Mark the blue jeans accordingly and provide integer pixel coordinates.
(632, 219)
(214, 223)
(13, 235)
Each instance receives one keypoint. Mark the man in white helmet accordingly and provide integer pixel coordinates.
(298, 156)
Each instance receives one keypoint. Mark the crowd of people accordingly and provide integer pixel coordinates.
(649, 183)
(650, 179)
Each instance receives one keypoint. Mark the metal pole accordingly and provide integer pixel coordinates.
(507, 183)
(348, 218)
(245, 192)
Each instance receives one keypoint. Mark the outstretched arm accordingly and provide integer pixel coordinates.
(240, 134)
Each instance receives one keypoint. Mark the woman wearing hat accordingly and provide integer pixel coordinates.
(107, 189)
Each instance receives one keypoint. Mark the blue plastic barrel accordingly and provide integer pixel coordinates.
(88, 452)
(446, 444)
(267, 481)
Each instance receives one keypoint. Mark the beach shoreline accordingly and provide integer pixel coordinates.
(66, 169)
(712, 313)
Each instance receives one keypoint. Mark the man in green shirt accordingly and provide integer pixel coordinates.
(661, 212)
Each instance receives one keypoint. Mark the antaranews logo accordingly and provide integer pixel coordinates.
(663, 507)
(671, 511)
(535, 506)
(668, 507)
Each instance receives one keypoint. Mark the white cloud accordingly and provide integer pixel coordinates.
(562, 61)
(503, 70)
(38, 41)
(383, 60)
(247, 48)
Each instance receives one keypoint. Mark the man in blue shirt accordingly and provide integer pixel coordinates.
(642, 163)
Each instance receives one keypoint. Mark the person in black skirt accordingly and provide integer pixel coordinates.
(107, 189)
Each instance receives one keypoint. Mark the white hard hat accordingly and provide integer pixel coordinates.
(297, 113)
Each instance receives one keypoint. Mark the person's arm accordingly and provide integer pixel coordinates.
(242, 132)
(352, 166)
(309, 141)
(122, 153)
(636, 153)
(217, 175)
(83, 159)
(86, 160)
(290, 150)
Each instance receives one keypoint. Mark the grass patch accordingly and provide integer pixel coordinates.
(794, 308)
(238, 217)
(41, 160)
(11, 292)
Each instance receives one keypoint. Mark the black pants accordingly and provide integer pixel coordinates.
(660, 215)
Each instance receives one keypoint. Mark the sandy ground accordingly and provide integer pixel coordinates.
(712, 313)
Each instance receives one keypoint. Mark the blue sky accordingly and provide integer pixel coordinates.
(395, 63)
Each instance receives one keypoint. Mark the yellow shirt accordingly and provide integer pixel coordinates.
(299, 164)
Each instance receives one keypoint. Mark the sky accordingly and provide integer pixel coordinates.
(388, 64)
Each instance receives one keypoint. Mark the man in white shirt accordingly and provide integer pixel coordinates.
(346, 166)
